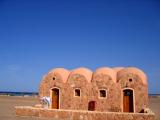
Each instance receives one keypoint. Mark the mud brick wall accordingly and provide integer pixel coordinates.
(113, 80)
(130, 78)
(80, 82)
(111, 102)
(81, 115)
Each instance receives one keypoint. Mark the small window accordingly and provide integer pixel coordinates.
(77, 93)
(102, 93)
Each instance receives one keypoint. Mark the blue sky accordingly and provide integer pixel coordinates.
(37, 36)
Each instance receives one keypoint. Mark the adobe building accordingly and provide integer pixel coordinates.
(106, 91)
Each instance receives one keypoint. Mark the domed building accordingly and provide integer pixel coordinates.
(107, 89)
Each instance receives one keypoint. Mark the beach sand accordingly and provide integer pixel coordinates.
(154, 105)
(7, 104)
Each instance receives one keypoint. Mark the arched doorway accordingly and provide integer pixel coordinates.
(128, 100)
(55, 98)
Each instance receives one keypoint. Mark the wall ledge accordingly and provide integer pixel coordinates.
(62, 114)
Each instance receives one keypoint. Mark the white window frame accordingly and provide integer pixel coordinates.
(99, 93)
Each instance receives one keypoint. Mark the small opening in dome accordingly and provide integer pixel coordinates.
(130, 80)
(54, 78)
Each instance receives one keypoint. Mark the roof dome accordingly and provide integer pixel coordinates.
(61, 71)
(87, 73)
(107, 71)
(133, 70)
(117, 69)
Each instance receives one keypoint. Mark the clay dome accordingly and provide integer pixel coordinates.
(87, 73)
(117, 69)
(108, 71)
(43, 79)
(61, 71)
(133, 70)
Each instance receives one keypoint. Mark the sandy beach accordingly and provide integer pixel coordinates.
(7, 104)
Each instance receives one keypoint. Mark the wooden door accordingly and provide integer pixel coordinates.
(55, 98)
(128, 100)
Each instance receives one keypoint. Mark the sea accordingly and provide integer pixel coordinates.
(6, 93)
(18, 93)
